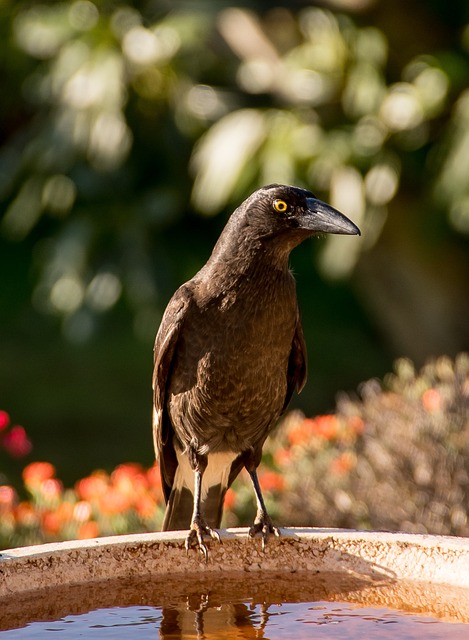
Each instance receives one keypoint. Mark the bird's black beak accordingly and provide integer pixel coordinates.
(322, 218)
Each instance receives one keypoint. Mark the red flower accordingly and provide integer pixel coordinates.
(4, 420)
(16, 442)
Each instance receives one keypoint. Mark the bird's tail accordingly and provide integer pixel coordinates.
(179, 509)
(180, 505)
(215, 481)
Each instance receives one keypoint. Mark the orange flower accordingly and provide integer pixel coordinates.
(296, 436)
(432, 400)
(92, 487)
(272, 481)
(343, 463)
(113, 501)
(129, 479)
(302, 432)
(154, 476)
(322, 426)
(88, 530)
(51, 523)
(37, 472)
(230, 498)
(356, 424)
(26, 515)
(326, 426)
(145, 506)
(282, 457)
(128, 469)
(65, 511)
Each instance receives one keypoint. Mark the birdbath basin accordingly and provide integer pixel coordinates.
(334, 579)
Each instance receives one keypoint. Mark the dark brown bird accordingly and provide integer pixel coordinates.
(228, 355)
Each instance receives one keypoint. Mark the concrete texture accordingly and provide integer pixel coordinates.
(375, 557)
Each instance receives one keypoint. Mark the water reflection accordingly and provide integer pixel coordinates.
(338, 620)
(242, 620)
(234, 607)
(202, 619)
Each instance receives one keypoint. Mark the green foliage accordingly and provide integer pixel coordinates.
(116, 100)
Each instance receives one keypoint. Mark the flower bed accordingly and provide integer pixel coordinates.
(395, 457)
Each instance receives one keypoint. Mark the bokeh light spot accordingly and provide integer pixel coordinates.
(83, 15)
(103, 291)
(58, 194)
(67, 294)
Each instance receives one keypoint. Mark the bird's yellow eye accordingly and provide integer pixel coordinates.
(280, 206)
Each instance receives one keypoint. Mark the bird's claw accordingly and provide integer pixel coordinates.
(265, 527)
(196, 534)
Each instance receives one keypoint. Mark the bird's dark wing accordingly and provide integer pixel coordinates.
(165, 344)
(297, 363)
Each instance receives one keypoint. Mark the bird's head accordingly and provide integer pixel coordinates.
(277, 218)
(280, 210)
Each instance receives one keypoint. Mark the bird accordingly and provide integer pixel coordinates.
(228, 356)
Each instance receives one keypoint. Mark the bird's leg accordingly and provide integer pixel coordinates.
(198, 525)
(263, 523)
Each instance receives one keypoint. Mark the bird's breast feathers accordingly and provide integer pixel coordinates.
(229, 378)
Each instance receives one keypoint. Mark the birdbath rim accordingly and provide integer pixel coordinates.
(371, 554)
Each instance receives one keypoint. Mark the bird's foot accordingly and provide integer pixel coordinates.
(196, 534)
(264, 525)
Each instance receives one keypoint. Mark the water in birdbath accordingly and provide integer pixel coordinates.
(297, 606)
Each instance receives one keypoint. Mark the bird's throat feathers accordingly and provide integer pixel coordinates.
(242, 251)
(231, 275)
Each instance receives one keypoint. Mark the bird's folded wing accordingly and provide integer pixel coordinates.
(165, 345)
(297, 363)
